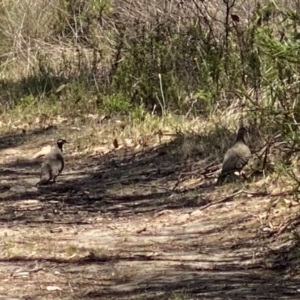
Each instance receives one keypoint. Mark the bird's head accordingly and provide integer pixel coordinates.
(241, 133)
(61, 142)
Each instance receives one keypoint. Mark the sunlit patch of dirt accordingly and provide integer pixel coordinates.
(128, 225)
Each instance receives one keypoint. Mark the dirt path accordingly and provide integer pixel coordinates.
(113, 229)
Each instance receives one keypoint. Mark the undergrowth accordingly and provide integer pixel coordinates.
(193, 70)
(229, 62)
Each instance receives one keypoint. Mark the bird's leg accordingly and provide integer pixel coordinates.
(243, 174)
(52, 180)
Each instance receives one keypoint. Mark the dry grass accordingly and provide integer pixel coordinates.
(93, 135)
(114, 224)
(31, 29)
(64, 249)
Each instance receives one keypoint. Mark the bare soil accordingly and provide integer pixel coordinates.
(112, 227)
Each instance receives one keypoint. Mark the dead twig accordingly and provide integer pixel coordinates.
(288, 223)
(209, 169)
(159, 187)
(265, 149)
(229, 197)
(266, 156)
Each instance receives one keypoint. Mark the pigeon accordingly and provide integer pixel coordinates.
(236, 157)
(53, 163)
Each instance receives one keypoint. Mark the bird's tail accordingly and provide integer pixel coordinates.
(43, 181)
(221, 179)
(45, 175)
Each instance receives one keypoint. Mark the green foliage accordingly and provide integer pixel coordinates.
(116, 103)
(182, 295)
(26, 102)
(138, 113)
(79, 19)
(156, 64)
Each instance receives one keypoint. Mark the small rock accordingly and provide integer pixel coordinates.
(197, 213)
(18, 189)
(56, 230)
(33, 189)
(5, 297)
(182, 219)
(53, 288)
(53, 201)
(163, 212)
(21, 274)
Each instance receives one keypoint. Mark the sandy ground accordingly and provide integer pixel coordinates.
(113, 228)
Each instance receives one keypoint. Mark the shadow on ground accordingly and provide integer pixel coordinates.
(123, 182)
(143, 181)
(18, 138)
(192, 255)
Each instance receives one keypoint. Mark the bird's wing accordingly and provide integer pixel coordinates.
(243, 155)
(46, 172)
(229, 162)
(57, 164)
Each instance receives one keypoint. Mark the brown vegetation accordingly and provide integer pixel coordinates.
(150, 94)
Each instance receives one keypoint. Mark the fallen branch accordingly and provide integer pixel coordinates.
(229, 197)
(159, 187)
(288, 223)
(209, 169)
